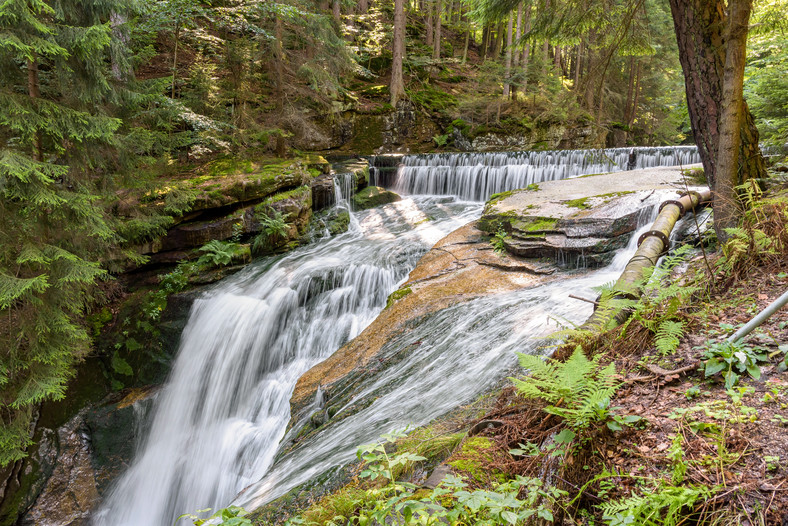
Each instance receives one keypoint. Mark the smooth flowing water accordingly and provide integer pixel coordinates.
(216, 425)
(217, 421)
(476, 176)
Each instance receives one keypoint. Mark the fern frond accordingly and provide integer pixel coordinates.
(668, 336)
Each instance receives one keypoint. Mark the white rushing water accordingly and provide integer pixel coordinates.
(217, 423)
(476, 176)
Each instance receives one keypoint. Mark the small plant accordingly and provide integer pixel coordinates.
(772, 462)
(441, 140)
(533, 187)
(216, 253)
(498, 241)
(229, 516)
(732, 360)
(274, 229)
(578, 390)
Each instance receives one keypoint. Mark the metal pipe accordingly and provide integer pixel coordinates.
(759, 319)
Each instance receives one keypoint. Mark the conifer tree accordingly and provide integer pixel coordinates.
(56, 60)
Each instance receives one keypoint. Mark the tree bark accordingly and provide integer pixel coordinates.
(518, 34)
(397, 86)
(428, 23)
(633, 112)
(436, 44)
(498, 41)
(699, 25)
(508, 66)
(363, 7)
(34, 92)
(731, 117)
(336, 9)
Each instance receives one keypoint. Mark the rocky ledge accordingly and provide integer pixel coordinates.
(581, 221)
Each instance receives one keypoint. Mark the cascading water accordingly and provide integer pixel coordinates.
(217, 421)
(451, 358)
(476, 176)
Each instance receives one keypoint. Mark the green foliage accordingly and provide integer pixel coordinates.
(229, 516)
(274, 229)
(732, 360)
(666, 505)
(577, 390)
(440, 140)
(498, 241)
(217, 253)
(452, 502)
(55, 159)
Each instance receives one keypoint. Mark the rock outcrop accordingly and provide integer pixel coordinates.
(577, 222)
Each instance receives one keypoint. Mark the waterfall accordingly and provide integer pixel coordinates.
(476, 176)
(461, 352)
(216, 423)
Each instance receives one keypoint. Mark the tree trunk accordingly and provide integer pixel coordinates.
(428, 23)
(278, 60)
(175, 58)
(518, 34)
(363, 7)
(436, 45)
(397, 86)
(467, 42)
(578, 63)
(731, 117)
(630, 87)
(34, 92)
(526, 48)
(636, 97)
(699, 25)
(508, 66)
(337, 11)
(498, 41)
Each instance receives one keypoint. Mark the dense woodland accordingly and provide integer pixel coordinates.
(103, 98)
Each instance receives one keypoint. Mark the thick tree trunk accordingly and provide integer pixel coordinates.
(436, 45)
(363, 7)
(397, 85)
(508, 66)
(699, 25)
(731, 117)
(578, 63)
(278, 66)
(467, 42)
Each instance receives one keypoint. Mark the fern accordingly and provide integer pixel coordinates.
(664, 506)
(578, 390)
(216, 253)
(668, 336)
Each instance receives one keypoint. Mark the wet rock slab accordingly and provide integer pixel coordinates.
(580, 221)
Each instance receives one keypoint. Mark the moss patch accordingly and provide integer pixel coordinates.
(474, 459)
(397, 295)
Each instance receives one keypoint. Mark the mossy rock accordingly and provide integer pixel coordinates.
(474, 459)
(373, 196)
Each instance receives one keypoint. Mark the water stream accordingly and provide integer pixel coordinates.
(217, 423)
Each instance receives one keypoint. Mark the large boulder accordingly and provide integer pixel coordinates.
(580, 221)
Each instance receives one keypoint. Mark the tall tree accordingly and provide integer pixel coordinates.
(436, 44)
(52, 131)
(699, 26)
(397, 85)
